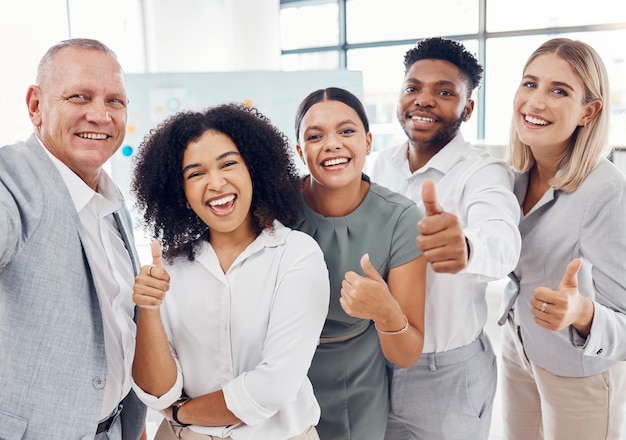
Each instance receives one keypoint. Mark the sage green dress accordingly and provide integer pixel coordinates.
(349, 378)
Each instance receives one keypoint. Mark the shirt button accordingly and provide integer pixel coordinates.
(600, 351)
(99, 382)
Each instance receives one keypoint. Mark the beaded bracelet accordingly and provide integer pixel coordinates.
(397, 332)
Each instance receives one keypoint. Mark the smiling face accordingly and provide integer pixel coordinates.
(433, 103)
(79, 109)
(217, 184)
(549, 104)
(333, 143)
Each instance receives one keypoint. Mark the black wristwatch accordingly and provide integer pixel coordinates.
(178, 405)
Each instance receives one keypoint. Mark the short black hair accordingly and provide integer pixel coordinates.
(448, 50)
(157, 178)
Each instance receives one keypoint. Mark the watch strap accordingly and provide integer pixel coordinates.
(175, 407)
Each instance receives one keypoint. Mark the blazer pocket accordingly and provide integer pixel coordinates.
(12, 427)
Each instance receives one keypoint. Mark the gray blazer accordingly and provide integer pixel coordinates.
(588, 223)
(52, 357)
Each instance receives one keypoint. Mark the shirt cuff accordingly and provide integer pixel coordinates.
(166, 400)
(241, 403)
(576, 338)
(596, 346)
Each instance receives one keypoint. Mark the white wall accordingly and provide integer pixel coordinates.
(185, 35)
(212, 35)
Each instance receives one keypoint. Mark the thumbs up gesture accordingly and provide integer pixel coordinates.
(364, 296)
(152, 281)
(558, 309)
(441, 236)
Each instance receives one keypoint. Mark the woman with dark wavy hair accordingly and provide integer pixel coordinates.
(225, 352)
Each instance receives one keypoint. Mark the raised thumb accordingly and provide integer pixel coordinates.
(570, 279)
(429, 198)
(368, 268)
(157, 253)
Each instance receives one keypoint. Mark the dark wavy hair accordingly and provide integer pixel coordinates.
(448, 50)
(157, 179)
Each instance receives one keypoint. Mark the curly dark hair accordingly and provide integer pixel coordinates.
(448, 50)
(157, 179)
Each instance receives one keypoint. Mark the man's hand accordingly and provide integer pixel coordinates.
(441, 237)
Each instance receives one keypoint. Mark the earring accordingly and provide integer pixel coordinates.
(187, 204)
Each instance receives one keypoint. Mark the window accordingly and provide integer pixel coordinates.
(372, 36)
(393, 20)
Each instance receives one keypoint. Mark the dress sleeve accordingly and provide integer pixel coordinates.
(403, 247)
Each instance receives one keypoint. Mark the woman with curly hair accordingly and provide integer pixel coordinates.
(225, 353)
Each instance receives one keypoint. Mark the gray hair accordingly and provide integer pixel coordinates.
(84, 43)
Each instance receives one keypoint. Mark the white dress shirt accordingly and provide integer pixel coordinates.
(251, 332)
(477, 188)
(113, 274)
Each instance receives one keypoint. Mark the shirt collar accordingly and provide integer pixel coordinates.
(443, 161)
(80, 192)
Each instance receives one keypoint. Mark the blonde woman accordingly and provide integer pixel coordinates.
(565, 306)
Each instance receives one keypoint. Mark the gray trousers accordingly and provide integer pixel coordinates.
(444, 396)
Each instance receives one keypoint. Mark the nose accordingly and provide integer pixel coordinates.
(333, 142)
(535, 101)
(424, 99)
(98, 112)
(215, 181)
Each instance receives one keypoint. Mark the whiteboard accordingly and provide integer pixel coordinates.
(155, 96)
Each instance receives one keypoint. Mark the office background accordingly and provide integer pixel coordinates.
(368, 37)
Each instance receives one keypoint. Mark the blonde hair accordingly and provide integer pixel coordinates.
(588, 143)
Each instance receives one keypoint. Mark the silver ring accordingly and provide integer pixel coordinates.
(152, 265)
(543, 306)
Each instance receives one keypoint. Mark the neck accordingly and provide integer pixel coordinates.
(546, 166)
(228, 245)
(543, 172)
(419, 153)
(334, 202)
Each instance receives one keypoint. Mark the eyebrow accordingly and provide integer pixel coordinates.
(339, 124)
(554, 83)
(439, 83)
(220, 157)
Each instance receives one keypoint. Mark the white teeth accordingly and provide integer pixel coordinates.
(331, 162)
(422, 119)
(536, 121)
(97, 136)
(222, 201)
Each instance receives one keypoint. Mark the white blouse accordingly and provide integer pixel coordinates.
(251, 331)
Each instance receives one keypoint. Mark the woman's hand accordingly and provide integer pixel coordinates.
(558, 309)
(152, 282)
(368, 297)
